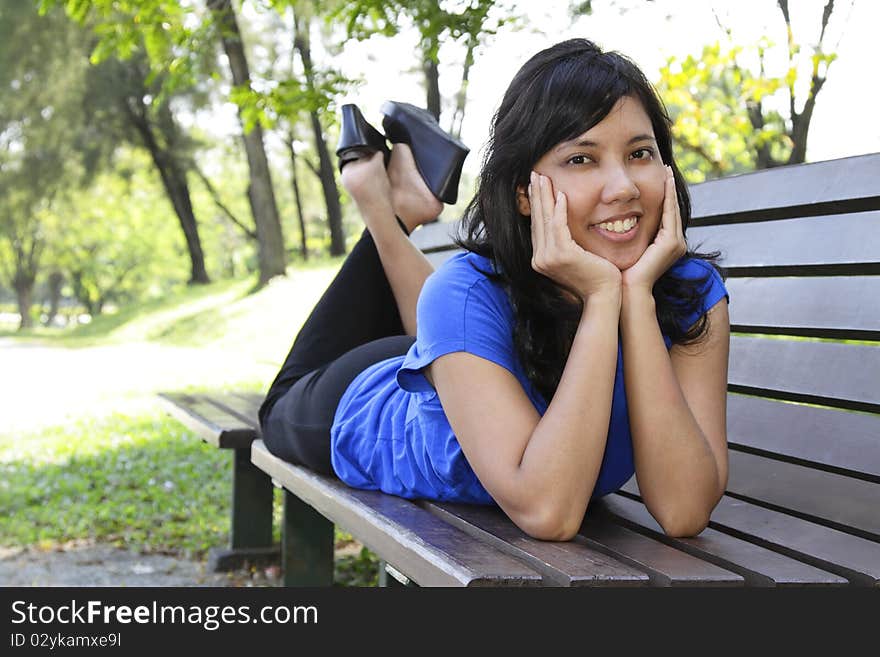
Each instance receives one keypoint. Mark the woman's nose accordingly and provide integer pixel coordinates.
(619, 186)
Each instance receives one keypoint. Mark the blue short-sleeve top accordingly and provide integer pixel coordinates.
(390, 432)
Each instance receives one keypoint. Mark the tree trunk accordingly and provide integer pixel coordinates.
(269, 237)
(176, 188)
(325, 165)
(304, 250)
(328, 185)
(432, 86)
(24, 292)
(55, 281)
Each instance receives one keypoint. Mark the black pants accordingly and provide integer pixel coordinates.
(355, 324)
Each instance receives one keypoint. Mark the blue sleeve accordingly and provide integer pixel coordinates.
(712, 291)
(458, 310)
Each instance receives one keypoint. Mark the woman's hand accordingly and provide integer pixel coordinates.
(668, 246)
(556, 255)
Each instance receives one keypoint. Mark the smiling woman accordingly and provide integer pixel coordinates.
(547, 364)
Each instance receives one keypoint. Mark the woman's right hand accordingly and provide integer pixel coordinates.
(556, 255)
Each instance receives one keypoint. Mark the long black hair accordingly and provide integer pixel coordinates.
(558, 95)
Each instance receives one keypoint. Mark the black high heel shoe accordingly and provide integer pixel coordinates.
(439, 157)
(358, 139)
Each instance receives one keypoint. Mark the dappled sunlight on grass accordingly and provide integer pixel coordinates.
(136, 482)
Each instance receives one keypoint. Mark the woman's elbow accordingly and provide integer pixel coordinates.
(551, 525)
(684, 526)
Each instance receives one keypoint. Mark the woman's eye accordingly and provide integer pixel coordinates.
(643, 154)
(578, 159)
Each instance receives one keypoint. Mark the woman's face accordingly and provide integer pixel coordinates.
(613, 178)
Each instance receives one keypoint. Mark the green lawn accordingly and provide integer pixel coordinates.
(121, 471)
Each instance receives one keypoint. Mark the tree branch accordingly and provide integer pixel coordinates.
(215, 196)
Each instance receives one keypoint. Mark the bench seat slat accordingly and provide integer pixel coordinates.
(562, 563)
(435, 236)
(844, 374)
(210, 422)
(853, 557)
(823, 305)
(792, 242)
(420, 545)
(759, 566)
(844, 182)
(665, 565)
(807, 491)
(844, 440)
(244, 408)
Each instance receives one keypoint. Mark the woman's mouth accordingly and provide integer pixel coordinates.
(618, 230)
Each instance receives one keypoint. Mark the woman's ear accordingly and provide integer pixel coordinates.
(522, 202)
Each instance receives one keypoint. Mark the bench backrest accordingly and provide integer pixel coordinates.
(801, 249)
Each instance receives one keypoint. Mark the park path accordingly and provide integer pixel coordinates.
(42, 385)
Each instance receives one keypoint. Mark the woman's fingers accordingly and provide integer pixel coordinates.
(537, 218)
(676, 232)
(548, 206)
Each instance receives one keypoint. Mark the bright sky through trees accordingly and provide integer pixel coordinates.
(844, 123)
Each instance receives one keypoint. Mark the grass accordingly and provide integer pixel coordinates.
(120, 471)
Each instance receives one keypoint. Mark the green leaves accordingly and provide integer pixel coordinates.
(720, 113)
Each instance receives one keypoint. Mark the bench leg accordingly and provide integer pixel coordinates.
(250, 536)
(306, 545)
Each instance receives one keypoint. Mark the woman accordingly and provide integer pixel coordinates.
(575, 343)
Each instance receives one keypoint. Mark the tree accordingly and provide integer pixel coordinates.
(114, 246)
(39, 139)
(726, 117)
(177, 39)
(472, 22)
(125, 100)
(262, 197)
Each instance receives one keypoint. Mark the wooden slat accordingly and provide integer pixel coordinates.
(842, 440)
(245, 408)
(210, 422)
(831, 306)
(852, 182)
(853, 557)
(849, 503)
(434, 236)
(757, 565)
(809, 370)
(419, 544)
(567, 563)
(665, 566)
(845, 240)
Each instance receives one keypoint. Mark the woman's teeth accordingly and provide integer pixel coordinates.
(619, 226)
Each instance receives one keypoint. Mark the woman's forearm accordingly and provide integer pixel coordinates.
(677, 472)
(562, 459)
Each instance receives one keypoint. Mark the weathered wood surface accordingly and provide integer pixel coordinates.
(844, 375)
(853, 557)
(570, 563)
(846, 307)
(833, 439)
(210, 420)
(847, 184)
(757, 565)
(423, 547)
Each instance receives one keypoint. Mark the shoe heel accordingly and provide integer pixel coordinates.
(439, 157)
(358, 138)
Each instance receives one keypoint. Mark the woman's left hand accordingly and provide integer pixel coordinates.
(668, 246)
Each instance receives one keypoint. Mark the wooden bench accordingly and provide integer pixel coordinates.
(801, 246)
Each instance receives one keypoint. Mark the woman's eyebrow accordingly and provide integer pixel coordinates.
(587, 143)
